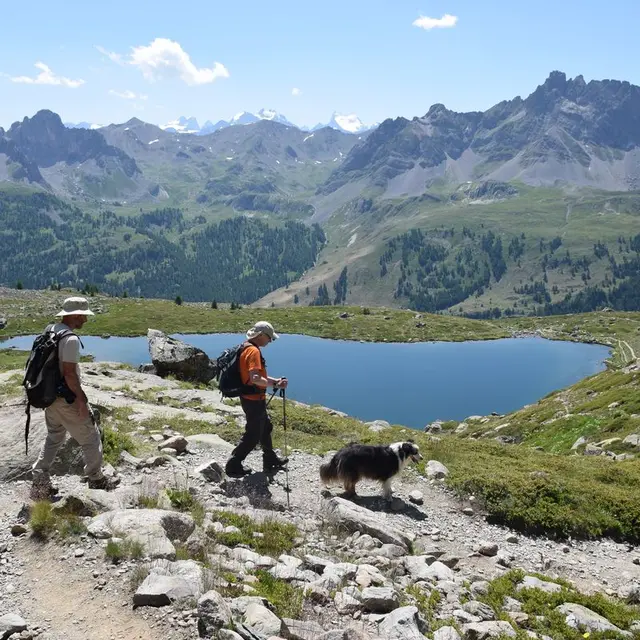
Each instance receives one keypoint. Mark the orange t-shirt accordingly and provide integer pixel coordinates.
(251, 360)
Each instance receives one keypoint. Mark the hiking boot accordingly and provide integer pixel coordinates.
(274, 464)
(104, 483)
(234, 469)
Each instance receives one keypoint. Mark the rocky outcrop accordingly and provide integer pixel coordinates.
(154, 529)
(174, 357)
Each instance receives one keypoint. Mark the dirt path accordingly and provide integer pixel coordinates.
(63, 595)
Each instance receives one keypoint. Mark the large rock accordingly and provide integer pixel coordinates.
(177, 358)
(379, 599)
(211, 471)
(356, 518)
(585, 620)
(262, 620)
(153, 528)
(531, 582)
(299, 630)
(11, 623)
(436, 470)
(213, 613)
(169, 582)
(404, 623)
(485, 630)
(426, 568)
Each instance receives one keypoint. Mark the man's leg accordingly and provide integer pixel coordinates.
(87, 435)
(270, 461)
(41, 488)
(252, 411)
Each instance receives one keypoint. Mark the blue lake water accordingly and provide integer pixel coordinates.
(410, 384)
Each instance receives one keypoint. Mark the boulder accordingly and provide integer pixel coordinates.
(298, 630)
(531, 582)
(378, 425)
(633, 440)
(405, 623)
(427, 568)
(379, 599)
(260, 619)
(174, 443)
(213, 613)
(11, 623)
(153, 528)
(436, 470)
(488, 548)
(479, 609)
(585, 620)
(353, 517)
(170, 582)
(211, 471)
(174, 357)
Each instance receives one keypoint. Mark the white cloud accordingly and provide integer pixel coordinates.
(296, 92)
(446, 22)
(127, 95)
(166, 58)
(46, 76)
(114, 57)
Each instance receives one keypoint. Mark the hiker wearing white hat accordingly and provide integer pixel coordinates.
(253, 371)
(70, 411)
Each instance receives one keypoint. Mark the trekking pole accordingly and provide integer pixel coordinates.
(275, 390)
(286, 448)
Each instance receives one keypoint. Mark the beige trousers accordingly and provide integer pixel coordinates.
(62, 418)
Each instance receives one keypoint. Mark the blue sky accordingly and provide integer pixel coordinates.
(109, 61)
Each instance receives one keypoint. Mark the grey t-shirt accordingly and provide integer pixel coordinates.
(69, 347)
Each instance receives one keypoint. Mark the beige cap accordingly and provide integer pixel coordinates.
(260, 328)
(75, 306)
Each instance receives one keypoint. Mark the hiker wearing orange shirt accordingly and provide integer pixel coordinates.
(253, 371)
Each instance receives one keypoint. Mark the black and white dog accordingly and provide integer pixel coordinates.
(358, 461)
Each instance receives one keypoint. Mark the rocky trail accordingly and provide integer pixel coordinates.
(185, 568)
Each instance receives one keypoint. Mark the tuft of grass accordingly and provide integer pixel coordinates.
(286, 599)
(137, 576)
(540, 607)
(148, 502)
(114, 442)
(277, 537)
(45, 522)
(42, 519)
(70, 525)
(184, 500)
(427, 603)
(126, 549)
(181, 499)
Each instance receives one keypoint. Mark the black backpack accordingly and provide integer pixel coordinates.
(228, 373)
(42, 378)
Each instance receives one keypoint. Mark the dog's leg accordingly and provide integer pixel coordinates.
(350, 487)
(387, 491)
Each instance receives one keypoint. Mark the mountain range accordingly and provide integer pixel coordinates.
(560, 165)
(347, 123)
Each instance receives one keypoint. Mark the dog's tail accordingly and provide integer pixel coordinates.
(329, 471)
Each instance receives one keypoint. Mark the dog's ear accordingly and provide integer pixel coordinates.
(410, 440)
(407, 448)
